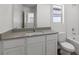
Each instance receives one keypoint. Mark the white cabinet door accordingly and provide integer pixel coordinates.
(14, 46)
(13, 43)
(35, 45)
(51, 45)
(0, 47)
(14, 51)
(43, 15)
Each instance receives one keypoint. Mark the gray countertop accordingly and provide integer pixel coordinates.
(12, 35)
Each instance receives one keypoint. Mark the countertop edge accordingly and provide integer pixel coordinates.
(23, 36)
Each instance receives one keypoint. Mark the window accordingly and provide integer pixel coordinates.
(58, 13)
(30, 18)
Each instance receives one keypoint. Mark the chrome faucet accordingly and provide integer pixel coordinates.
(33, 29)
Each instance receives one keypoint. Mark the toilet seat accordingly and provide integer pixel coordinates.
(68, 47)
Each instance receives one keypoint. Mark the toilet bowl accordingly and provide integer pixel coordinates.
(66, 47)
(69, 48)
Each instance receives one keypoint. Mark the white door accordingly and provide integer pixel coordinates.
(51, 45)
(35, 45)
(14, 51)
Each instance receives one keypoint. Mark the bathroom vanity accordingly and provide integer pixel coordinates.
(29, 43)
(21, 19)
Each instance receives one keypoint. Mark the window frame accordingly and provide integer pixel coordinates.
(62, 13)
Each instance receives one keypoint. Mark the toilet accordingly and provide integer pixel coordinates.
(66, 48)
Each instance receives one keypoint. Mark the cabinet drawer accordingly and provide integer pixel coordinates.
(51, 37)
(15, 51)
(13, 43)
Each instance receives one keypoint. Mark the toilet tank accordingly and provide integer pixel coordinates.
(61, 36)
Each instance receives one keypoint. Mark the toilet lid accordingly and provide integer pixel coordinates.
(67, 46)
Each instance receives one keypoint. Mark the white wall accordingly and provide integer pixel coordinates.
(58, 27)
(43, 15)
(71, 17)
(5, 17)
(17, 16)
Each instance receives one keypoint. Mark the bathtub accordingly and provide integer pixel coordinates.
(74, 40)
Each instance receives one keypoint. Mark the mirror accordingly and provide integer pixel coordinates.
(24, 16)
